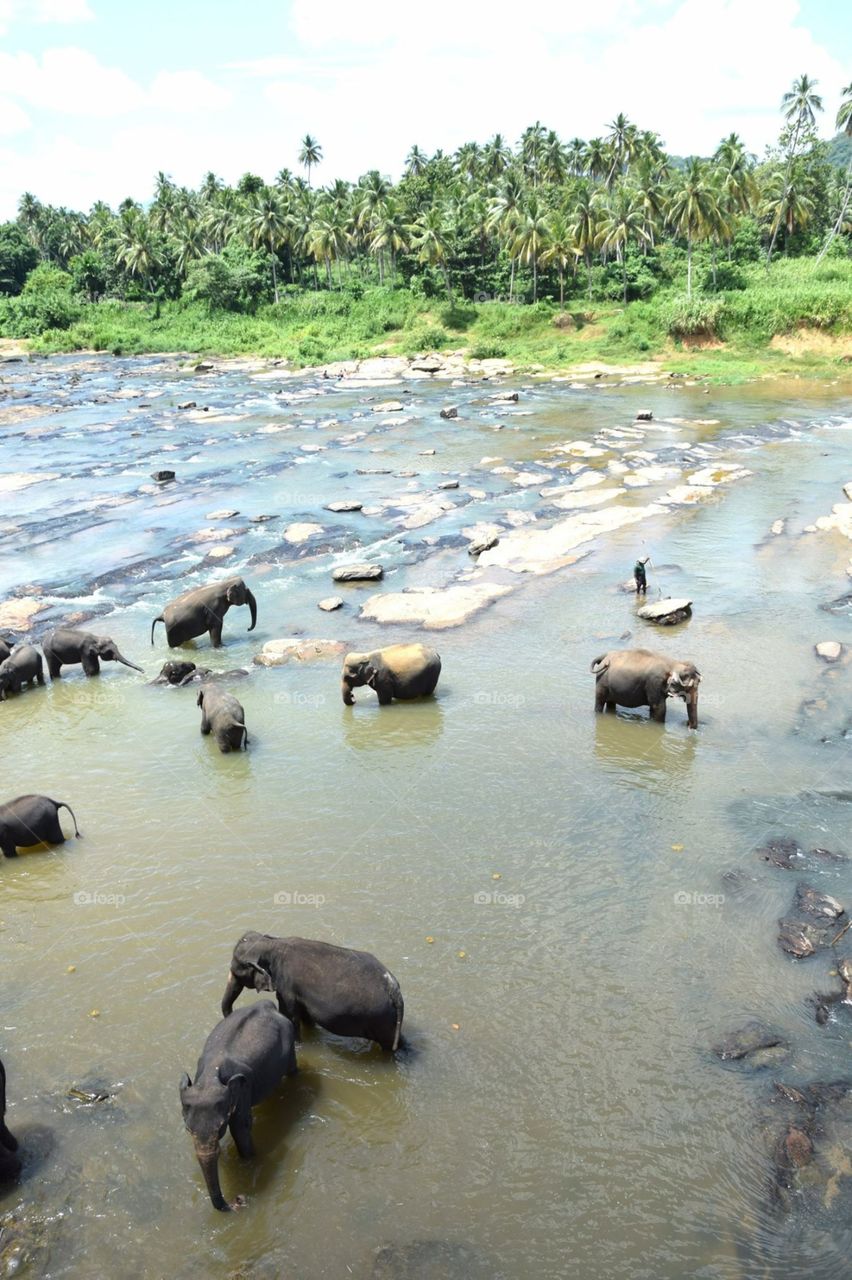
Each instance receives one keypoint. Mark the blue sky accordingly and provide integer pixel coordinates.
(97, 95)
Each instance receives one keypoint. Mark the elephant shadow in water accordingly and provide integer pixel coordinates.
(272, 1123)
(417, 723)
(643, 748)
(411, 1045)
(37, 1146)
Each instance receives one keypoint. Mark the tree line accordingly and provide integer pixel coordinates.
(490, 220)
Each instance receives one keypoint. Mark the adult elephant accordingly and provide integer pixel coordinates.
(640, 678)
(6, 647)
(203, 609)
(397, 671)
(67, 646)
(10, 1165)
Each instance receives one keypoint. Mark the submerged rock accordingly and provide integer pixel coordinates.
(802, 939)
(822, 906)
(300, 532)
(753, 1045)
(784, 852)
(667, 612)
(358, 573)
(162, 477)
(432, 1260)
(450, 411)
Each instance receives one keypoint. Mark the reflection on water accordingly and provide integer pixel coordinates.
(544, 882)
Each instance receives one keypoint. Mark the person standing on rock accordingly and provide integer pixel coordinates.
(640, 577)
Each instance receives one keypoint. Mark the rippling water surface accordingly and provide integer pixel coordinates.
(558, 1110)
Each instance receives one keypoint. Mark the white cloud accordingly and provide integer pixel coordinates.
(69, 81)
(12, 118)
(187, 91)
(61, 11)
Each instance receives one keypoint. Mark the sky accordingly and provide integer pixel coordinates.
(97, 96)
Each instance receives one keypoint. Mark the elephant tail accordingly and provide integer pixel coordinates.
(60, 804)
(245, 738)
(599, 665)
(154, 623)
(399, 1007)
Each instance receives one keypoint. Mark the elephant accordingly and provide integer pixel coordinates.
(181, 673)
(639, 678)
(67, 646)
(224, 717)
(398, 671)
(242, 1062)
(350, 993)
(203, 609)
(23, 666)
(10, 1165)
(31, 820)
(6, 647)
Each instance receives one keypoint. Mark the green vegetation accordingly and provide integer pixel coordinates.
(548, 254)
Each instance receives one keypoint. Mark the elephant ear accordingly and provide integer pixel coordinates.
(262, 978)
(238, 1093)
(185, 1083)
(199, 701)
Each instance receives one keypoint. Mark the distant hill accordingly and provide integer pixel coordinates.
(840, 150)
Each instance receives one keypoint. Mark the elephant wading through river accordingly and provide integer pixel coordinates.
(241, 1063)
(398, 671)
(223, 716)
(10, 1165)
(23, 666)
(66, 646)
(203, 609)
(31, 820)
(639, 678)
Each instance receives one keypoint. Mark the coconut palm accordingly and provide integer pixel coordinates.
(559, 249)
(786, 204)
(530, 236)
(429, 240)
(390, 233)
(585, 217)
(844, 123)
(622, 220)
(496, 157)
(310, 154)
(504, 214)
(267, 226)
(415, 162)
(693, 209)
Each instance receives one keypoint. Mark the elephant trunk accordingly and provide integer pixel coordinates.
(692, 707)
(346, 692)
(127, 663)
(252, 604)
(208, 1158)
(232, 990)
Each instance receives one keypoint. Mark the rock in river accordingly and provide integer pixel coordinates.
(330, 603)
(754, 1045)
(388, 406)
(162, 477)
(433, 607)
(829, 650)
(450, 411)
(667, 612)
(358, 573)
(277, 653)
(344, 506)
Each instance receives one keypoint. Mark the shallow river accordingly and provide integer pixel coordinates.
(519, 864)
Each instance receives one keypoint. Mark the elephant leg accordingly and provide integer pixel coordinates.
(40, 673)
(658, 711)
(216, 634)
(611, 707)
(54, 666)
(54, 833)
(291, 1011)
(601, 699)
(241, 1133)
(205, 723)
(91, 664)
(9, 849)
(384, 692)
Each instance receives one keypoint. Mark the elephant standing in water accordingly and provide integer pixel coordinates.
(67, 646)
(23, 666)
(224, 717)
(31, 820)
(203, 609)
(398, 671)
(10, 1165)
(348, 992)
(639, 678)
(241, 1063)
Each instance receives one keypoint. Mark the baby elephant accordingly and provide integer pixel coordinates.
(23, 666)
(241, 1063)
(639, 678)
(181, 673)
(67, 646)
(348, 992)
(398, 671)
(223, 716)
(31, 820)
(10, 1165)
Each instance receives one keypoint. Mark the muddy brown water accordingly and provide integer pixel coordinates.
(557, 1111)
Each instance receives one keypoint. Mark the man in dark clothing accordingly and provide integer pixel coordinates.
(640, 577)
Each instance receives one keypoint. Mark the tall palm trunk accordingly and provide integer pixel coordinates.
(847, 195)
(561, 287)
(689, 264)
(274, 272)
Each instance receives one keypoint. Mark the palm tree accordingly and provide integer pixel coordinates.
(622, 220)
(532, 144)
(266, 225)
(844, 123)
(560, 248)
(596, 161)
(693, 209)
(505, 211)
(310, 153)
(786, 204)
(584, 226)
(530, 236)
(620, 140)
(415, 162)
(390, 232)
(430, 242)
(137, 252)
(189, 239)
(799, 106)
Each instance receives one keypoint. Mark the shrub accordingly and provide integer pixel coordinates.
(17, 258)
(487, 351)
(691, 317)
(426, 338)
(729, 276)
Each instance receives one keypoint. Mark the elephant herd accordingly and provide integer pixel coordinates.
(345, 991)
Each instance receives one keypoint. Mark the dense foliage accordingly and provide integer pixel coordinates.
(611, 220)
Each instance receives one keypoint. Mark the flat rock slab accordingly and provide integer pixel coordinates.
(358, 573)
(343, 506)
(829, 650)
(433, 607)
(753, 1045)
(17, 615)
(667, 612)
(330, 603)
(221, 515)
(300, 532)
(277, 653)
(388, 406)
(542, 551)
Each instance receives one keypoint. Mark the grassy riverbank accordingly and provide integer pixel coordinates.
(794, 320)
